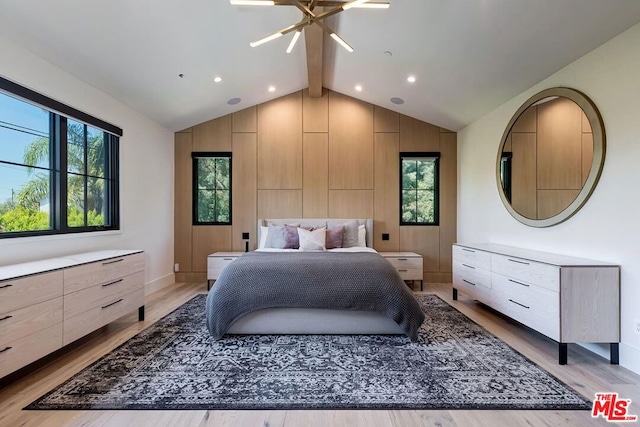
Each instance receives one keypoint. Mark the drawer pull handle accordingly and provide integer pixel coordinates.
(5, 349)
(519, 262)
(402, 259)
(113, 262)
(228, 259)
(112, 283)
(468, 250)
(402, 271)
(519, 283)
(113, 303)
(466, 281)
(6, 286)
(469, 266)
(6, 317)
(521, 305)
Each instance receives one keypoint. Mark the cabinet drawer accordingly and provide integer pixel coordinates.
(26, 321)
(84, 276)
(19, 293)
(411, 274)
(87, 322)
(86, 299)
(472, 273)
(531, 272)
(30, 348)
(404, 263)
(215, 265)
(471, 256)
(472, 288)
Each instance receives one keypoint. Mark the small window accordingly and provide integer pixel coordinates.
(419, 188)
(211, 188)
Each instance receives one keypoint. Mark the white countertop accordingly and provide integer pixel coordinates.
(543, 257)
(15, 271)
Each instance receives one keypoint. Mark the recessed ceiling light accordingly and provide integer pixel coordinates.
(397, 101)
(359, 88)
(272, 88)
(217, 79)
(234, 101)
(388, 53)
(411, 79)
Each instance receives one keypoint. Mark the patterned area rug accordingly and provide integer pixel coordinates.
(174, 364)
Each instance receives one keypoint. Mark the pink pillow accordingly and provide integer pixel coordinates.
(333, 237)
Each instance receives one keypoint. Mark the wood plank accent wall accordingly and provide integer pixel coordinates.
(332, 156)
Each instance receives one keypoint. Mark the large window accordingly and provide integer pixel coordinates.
(58, 167)
(211, 188)
(419, 188)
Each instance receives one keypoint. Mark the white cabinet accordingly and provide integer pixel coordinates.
(570, 300)
(47, 304)
(216, 262)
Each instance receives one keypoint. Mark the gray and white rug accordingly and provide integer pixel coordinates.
(174, 364)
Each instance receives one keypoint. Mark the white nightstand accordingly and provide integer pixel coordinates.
(408, 264)
(217, 262)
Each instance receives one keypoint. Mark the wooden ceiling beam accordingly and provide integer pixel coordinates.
(313, 38)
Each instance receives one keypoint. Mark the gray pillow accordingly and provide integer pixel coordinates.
(350, 235)
(276, 237)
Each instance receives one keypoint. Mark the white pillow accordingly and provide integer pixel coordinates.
(263, 236)
(362, 236)
(312, 240)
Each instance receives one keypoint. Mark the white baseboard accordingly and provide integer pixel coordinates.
(160, 283)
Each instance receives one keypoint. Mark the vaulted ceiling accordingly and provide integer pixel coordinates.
(468, 56)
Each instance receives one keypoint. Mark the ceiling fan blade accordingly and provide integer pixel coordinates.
(335, 36)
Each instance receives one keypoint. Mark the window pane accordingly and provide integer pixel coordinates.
(425, 174)
(75, 200)
(409, 206)
(96, 155)
(409, 173)
(96, 201)
(425, 207)
(75, 147)
(24, 133)
(24, 199)
(222, 173)
(206, 211)
(222, 206)
(206, 175)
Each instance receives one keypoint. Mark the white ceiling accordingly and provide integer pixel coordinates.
(468, 56)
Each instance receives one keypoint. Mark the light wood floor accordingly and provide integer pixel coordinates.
(587, 373)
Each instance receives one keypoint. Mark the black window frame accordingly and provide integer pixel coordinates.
(506, 163)
(195, 155)
(59, 114)
(436, 185)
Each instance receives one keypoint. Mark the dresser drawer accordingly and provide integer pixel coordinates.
(86, 299)
(472, 273)
(473, 257)
(19, 293)
(84, 276)
(28, 320)
(30, 348)
(87, 322)
(530, 272)
(472, 288)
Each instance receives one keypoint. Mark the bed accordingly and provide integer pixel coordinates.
(289, 291)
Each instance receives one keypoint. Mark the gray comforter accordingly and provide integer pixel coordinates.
(339, 281)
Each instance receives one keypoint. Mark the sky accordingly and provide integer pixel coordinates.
(20, 124)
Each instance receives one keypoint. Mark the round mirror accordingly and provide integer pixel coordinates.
(550, 157)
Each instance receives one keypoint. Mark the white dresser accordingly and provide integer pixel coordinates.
(568, 299)
(47, 304)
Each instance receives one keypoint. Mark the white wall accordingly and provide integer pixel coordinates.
(146, 172)
(608, 226)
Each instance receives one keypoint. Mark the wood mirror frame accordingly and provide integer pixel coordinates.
(599, 149)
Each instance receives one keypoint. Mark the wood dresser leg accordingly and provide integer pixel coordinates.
(615, 353)
(141, 313)
(562, 353)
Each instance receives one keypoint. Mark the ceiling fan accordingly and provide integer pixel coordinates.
(310, 17)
